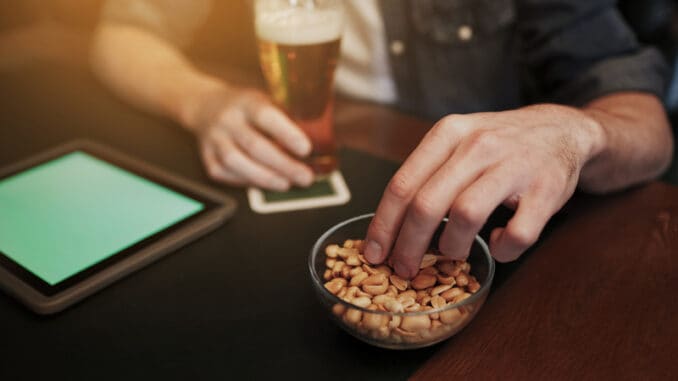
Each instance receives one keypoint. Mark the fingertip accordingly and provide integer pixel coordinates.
(304, 178)
(402, 270)
(452, 250)
(499, 250)
(302, 147)
(279, 185)
(373, 252)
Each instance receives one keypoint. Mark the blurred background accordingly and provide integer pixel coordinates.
(59, 31)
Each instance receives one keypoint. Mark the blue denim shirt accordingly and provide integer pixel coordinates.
(456, 56)
(481, 55)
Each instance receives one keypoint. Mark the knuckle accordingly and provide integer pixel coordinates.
(452, 120)
(252, 95)
(522, 236)
(466, 215)
(399, 187)
(229, 117)
(423, 207)
(229, 158)
(378, 229)
(484, 141)
(441, 130)
(550, 187)
(214, 172)
(251, 143)
(265, 114)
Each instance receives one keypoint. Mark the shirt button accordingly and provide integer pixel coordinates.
(397, 47)
(465, 33)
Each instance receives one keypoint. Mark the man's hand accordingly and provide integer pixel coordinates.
(529, 159)
(245, 140)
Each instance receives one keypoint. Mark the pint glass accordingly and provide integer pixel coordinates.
(298, 51)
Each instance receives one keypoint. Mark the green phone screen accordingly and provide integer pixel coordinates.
(65, 215)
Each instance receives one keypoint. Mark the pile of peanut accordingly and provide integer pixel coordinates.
(439, 282)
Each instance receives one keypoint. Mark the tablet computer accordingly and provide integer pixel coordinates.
(79, 217)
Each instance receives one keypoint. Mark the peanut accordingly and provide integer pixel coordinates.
(344, 271)
(462, 280)
(452, 293)
(374, 321)
(348, 243)
(338, 309)
(392, 291)
(409, 293)
(375, 289)
(331, 251)
(415, 323)
(353, 316)
(437, 290)
(375, 279)
(399, 283)
(369, 269)
(439, 282)
(429, 271)
(336, 269)
(474, 286)
(394, 306)
(346, 252)
(423, 281)
(384, 270)
(413, 308)
(381, 299)
(428, 260)
(443, 279)
(357, 280)
(355, 271)
(450, 316)
(353, 260)
(362, 301)
(438, 301)
(335, 285)
(406, 301)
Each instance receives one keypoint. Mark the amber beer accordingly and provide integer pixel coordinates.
(298, 52)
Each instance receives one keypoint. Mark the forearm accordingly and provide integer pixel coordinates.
(636, 144)
(149, 72)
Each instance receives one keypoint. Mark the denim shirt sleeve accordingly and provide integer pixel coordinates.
(173, 20)
(575, 51)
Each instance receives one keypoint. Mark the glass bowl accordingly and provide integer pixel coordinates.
(398, 330)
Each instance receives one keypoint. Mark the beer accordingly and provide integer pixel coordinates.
(298, 51)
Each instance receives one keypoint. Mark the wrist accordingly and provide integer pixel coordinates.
(595, 131)
(586, 133)
(191, 109)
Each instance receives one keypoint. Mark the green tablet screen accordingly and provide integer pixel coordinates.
(65, 215)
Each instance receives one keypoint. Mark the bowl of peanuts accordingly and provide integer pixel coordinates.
(377, 306)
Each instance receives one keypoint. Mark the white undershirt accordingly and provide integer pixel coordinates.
(364, 71)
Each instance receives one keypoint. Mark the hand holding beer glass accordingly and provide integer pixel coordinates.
(298, 50)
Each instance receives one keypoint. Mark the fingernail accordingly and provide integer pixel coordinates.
(280, 185)
(303, 148)
(304, 178)
(372, 251)
(401, 270)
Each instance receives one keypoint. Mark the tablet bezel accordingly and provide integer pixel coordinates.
(46, 298)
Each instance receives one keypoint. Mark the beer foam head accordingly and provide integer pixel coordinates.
(298, 26)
